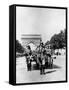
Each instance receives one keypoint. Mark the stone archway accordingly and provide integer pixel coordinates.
(30, 38)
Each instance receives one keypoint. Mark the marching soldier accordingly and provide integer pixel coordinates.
(40, 57)
(28, 56)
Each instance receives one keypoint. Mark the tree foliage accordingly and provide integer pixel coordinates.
(48, 42)
(19, 47)
(58, 41)
(54, 42)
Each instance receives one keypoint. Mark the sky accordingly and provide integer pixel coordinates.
(43, 21)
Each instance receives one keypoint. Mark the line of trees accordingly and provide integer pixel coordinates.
(58, 41)
(19, 47)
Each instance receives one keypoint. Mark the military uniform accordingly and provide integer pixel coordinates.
(41, 59)
(28, 56)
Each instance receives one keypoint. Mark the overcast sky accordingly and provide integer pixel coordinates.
(44, 21)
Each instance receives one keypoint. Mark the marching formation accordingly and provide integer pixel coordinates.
(41, 56)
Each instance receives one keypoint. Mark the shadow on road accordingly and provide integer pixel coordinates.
(56, 66)
(50, 72)
(35, 67)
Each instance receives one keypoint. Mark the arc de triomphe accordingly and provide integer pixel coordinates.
(31, 38)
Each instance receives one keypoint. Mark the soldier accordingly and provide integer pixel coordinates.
(28, 56)
(49, 53)
(41, 59)
(45, 58)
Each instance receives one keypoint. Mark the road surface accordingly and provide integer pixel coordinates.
(56, 74)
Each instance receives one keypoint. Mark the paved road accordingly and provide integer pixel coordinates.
(55, 74)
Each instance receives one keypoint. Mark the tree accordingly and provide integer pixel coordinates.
(61, 35)
(48, 42)
(54, 42)
(58, 41)
(65, 36)
(19, 47)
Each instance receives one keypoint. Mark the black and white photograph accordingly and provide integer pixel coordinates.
(41, 43)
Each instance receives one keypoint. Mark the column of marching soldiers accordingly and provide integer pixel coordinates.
(42, 58)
